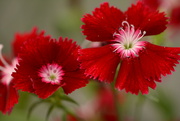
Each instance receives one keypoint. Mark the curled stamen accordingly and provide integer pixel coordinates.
(132, 26)
(120, 28)
(128, 26)
(139, 36)
(125, 22)
(144, 32)
(115, 34)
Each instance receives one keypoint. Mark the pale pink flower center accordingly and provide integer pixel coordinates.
(51, 73)
(7, 69)
(127, 42)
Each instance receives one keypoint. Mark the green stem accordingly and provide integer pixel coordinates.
(67, 110)
(56, 101)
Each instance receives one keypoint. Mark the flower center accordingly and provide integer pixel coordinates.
(51, 73)
(127, 42)
(127, 46)
(6, 69)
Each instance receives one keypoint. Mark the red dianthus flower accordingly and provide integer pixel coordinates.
(8, 93)
(142, 63)
(46, 65)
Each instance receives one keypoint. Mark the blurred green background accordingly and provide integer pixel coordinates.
(63, 18)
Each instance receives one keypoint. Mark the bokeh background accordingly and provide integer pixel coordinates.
(63, 18)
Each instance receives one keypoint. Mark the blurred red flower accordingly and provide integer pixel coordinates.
(9, 94)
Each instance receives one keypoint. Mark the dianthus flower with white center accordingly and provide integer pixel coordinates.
(141, 63)
(46, 64)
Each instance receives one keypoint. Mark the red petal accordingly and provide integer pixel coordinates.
(99, 63)
(44, 90)
(137, 74)
(68, 54)
(158, 60)
(22, 79)
(103, 23)
(142, 17)
(74, 80)
(21, 38)
(131, 77)
(9, 97)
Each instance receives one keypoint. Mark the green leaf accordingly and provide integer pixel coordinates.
(152, 98)
(33, 106)
(67, 98)
(59, 96)
(49, 111)
(65, 109)
(165, 105)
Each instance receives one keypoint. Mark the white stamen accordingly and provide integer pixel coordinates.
(138, 37)
(117, 47)
(127, 40)
(51, 73)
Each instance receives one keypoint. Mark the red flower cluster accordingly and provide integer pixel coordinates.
(141, 63)
(42, 65)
